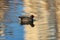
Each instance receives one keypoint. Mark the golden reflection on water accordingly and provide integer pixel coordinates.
(3, 9)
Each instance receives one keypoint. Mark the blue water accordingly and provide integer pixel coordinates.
(12, 22)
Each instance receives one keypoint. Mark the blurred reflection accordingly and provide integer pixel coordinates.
(10, 10)
(3, 9)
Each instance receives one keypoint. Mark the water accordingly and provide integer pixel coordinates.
(15, 9)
